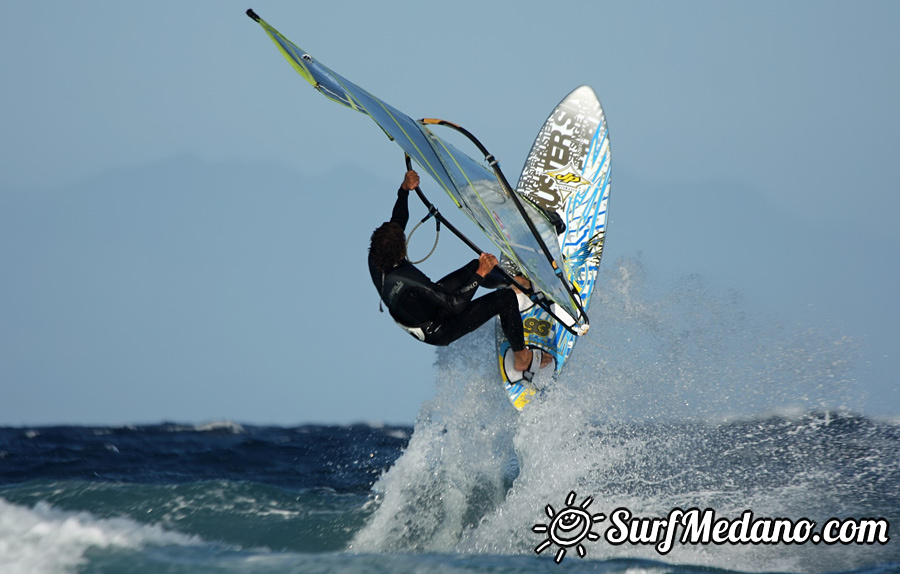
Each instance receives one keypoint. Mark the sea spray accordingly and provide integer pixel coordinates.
(459, 462)
(678, 397)
(686, 351)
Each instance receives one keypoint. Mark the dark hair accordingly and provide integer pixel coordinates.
(388, 246)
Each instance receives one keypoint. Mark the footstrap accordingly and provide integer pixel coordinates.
(509, 365)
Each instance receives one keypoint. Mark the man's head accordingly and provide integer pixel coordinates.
(388, 246)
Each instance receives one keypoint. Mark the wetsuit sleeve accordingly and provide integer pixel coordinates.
(400, 213)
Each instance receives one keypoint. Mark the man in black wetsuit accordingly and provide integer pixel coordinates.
(442, 312)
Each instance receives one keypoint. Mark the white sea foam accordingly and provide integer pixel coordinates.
(221, 426)
(46, 540)
(627, 424)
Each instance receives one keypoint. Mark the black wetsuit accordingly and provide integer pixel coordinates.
(440, 313)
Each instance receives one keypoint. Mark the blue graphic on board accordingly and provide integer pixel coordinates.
(567, 171)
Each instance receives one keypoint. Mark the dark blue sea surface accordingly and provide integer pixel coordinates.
(289, 489)
(239, 498)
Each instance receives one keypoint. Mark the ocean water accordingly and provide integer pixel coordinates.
(679, 399)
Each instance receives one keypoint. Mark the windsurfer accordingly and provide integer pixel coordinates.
(441, 312)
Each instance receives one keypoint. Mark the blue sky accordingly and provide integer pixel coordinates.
(747, 122)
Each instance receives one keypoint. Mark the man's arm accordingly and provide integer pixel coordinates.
(400, 213)
(463, 285)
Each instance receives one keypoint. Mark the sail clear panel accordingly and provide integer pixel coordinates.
(471, 184)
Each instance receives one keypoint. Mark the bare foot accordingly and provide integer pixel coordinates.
(522, 359)
(546, 359)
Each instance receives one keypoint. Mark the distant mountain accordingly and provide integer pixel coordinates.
(160, 282)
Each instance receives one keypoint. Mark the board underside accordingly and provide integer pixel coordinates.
(567, 171)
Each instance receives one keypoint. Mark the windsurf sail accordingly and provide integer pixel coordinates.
(480, 192)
